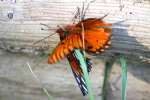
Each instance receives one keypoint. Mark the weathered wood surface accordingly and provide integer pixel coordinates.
(131, 33)
(17, 82)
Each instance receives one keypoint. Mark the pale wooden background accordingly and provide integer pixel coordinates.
(19, 33)
(131, 36)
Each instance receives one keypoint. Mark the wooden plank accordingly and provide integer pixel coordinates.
(129, 37)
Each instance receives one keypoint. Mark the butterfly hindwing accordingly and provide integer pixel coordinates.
(77, 71)
(96, 40)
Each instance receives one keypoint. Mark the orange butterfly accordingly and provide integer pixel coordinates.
(96, 37)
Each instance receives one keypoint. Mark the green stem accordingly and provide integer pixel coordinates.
(124, 76)
(108, 68)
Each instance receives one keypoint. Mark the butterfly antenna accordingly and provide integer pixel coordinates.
(82, 17)
(43, 38)
(87, 7)
(77, 15)
(104, 16)
(49, 28)
(45, 25)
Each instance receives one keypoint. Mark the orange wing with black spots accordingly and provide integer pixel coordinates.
(96, 40)
(96, 36)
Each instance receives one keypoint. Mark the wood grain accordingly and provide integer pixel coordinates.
(131, 24)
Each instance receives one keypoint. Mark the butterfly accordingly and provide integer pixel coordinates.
(96, 35)
(76, 67)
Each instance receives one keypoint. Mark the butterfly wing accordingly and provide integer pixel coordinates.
(77, 71)
(97, 34)
(96, 40)
(93, 23)
(65, 47)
